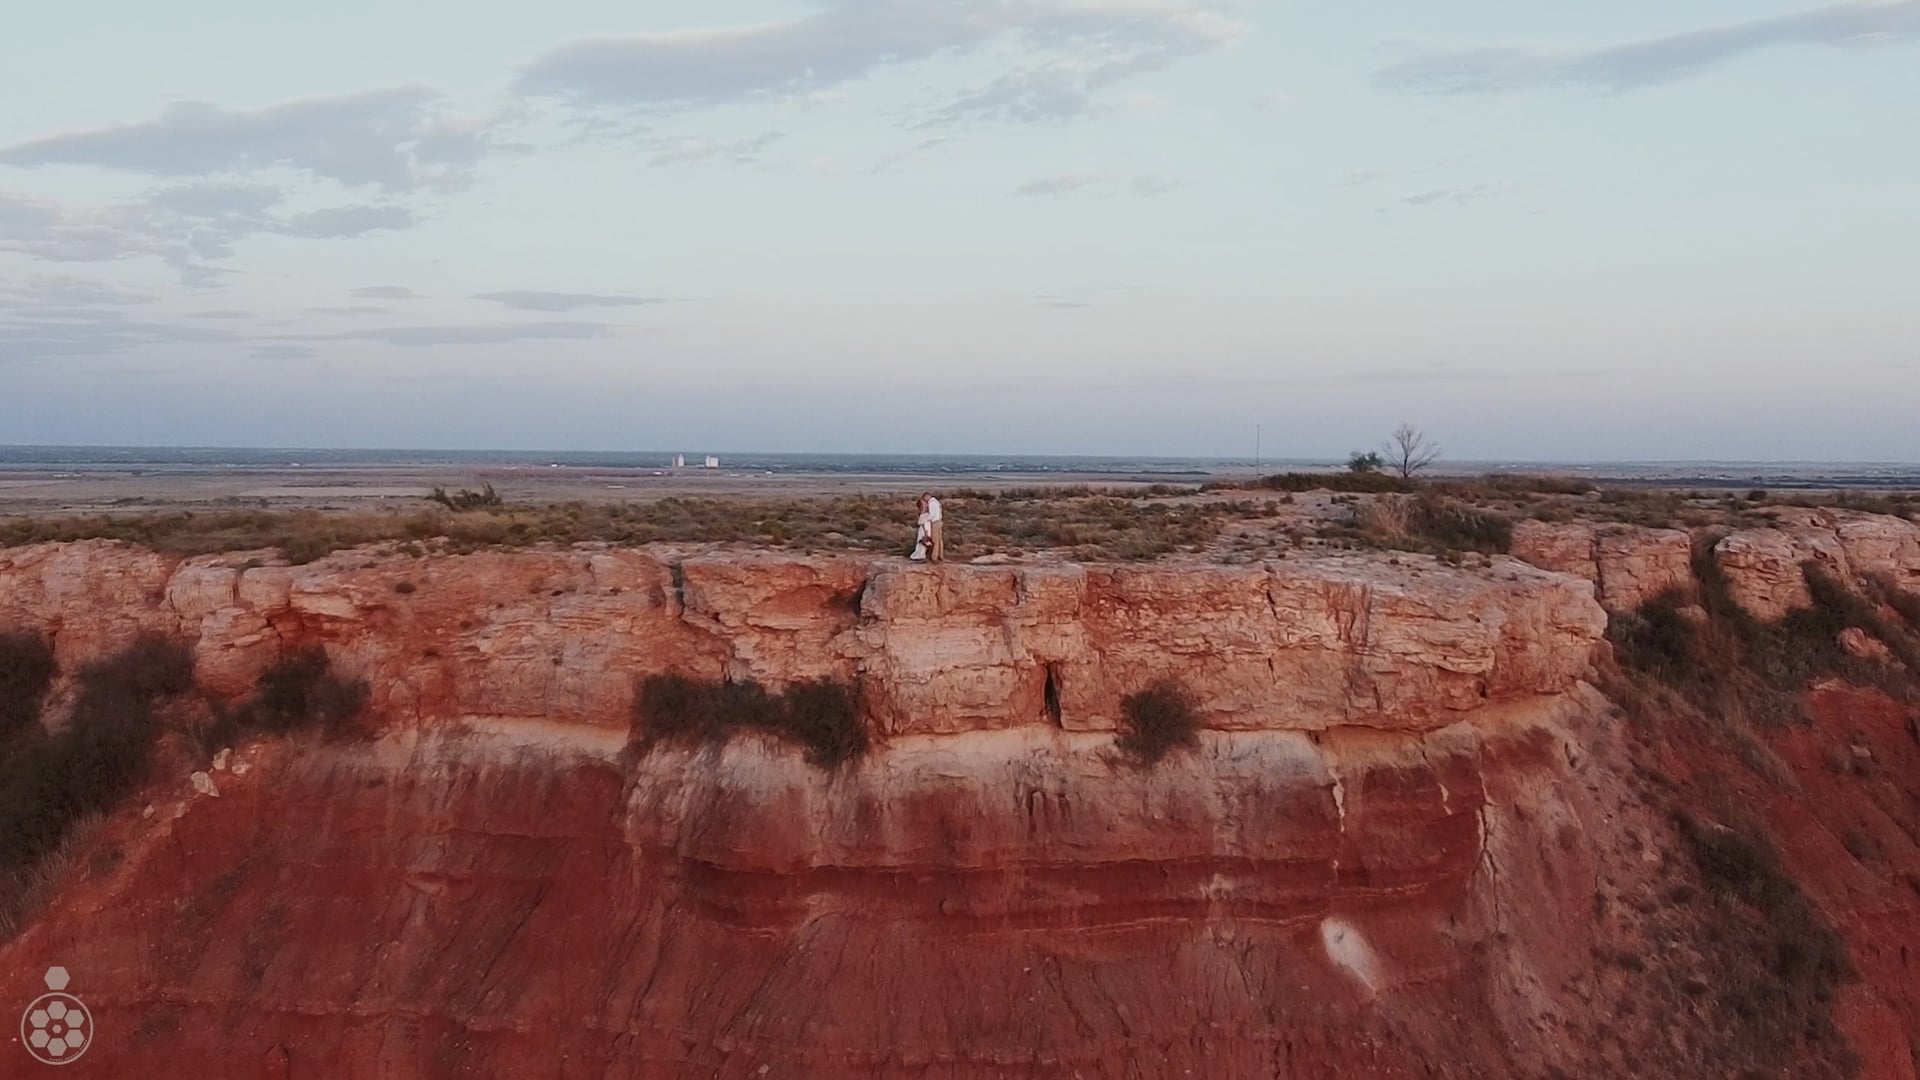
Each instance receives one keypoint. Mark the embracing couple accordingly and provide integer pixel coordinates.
(929, 539)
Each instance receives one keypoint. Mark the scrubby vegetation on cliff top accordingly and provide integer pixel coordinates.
(1233, 521)
(822, 715)
(1089, 524)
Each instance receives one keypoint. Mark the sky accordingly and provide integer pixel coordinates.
(1685, 229)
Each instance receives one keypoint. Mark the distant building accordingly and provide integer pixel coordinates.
(679, 461)
(712, 462)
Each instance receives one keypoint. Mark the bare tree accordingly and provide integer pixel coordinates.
(1409, 450)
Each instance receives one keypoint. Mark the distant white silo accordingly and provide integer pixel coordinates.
(712, 462)
(679, 461)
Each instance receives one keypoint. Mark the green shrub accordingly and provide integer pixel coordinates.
(26, 671)
(1156, 721)
(822, 715)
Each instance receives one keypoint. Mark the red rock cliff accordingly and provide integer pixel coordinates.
(1386, 856)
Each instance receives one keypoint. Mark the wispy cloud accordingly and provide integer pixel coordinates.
(398, 139)
(901, 159)
(1053, 56)
(59, 292)
(283, 352)
(1275, 101)
(1436, 374)
(1049, 300)
(1451, 196)
(1150, 185)
(699, 150)
(94, 332)
(386, 292)
(1650, 61)
(338, 222)
(1145, 185)
(349, 309)
(489, 334)
(532, 300)
(1060, 184)
(221, 314)
(185, 226)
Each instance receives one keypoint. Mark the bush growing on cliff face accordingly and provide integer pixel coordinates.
(1780, 964)
(822, 715)
(1658, 639)
(1905, 604)
(298, 692)
(1731, 668)
(1156, 721)
(26, 670)
(301, 692)
(97, 758)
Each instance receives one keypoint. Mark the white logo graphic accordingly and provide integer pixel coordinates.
(56, 1028)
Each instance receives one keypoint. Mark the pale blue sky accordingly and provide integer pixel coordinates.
(1625, 231)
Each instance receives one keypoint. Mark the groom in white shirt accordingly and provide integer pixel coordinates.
(936, 531)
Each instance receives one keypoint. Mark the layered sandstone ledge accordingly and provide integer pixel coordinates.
(1630, 565)
(1306, 643)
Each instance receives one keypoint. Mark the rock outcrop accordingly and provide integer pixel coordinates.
(1764, 566)
(1299, 644)
(1628, 565)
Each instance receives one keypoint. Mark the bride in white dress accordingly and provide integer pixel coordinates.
(922, 533)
